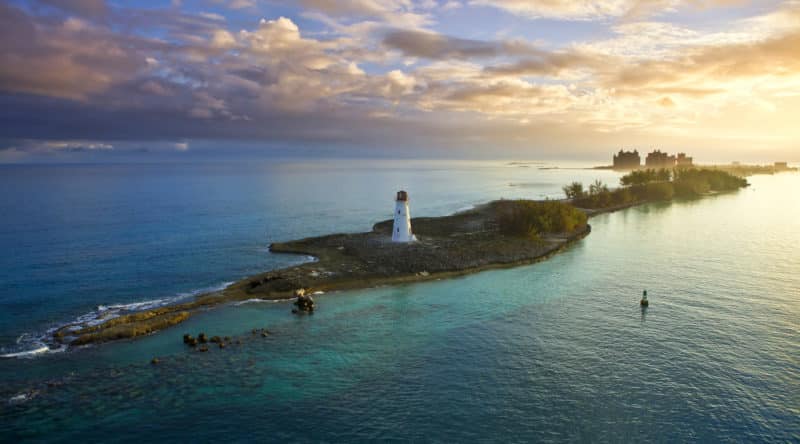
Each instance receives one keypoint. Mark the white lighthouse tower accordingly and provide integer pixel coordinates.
(401, 231)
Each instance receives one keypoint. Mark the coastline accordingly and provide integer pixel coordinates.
(458, 244)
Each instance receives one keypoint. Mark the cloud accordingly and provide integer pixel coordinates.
(598, 9)
(70, 59)
(551, 64)
(450, 5)
(564, 9)
(397, 13)
(345, 72)
(94, 9)
(436, 46)
(721, 65)
(666, 102)
(222, 39)
(432, 45)
(77, 146)
(53, 147)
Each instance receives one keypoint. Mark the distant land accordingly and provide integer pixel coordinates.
(631, 161)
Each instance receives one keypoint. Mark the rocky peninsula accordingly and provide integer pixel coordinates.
(501, 233)
(458, 244)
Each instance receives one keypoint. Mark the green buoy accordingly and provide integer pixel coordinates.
(644, 302)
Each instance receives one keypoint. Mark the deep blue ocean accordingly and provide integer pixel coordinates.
(556, 351)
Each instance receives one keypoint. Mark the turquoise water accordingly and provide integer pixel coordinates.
(555, 351)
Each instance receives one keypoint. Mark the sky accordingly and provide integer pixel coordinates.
(95, 80)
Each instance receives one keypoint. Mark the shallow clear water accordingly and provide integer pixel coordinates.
(555, 351)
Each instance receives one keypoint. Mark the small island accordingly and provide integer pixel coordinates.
(499, 234)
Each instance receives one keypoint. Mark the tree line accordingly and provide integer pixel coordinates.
(653, 185)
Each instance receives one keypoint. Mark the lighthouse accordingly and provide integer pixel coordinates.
(401, 231)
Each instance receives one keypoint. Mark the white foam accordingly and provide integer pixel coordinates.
(34, 345)
(18, 399)
(106, 312)
(27, 353)
(257, 301)
(155, 303)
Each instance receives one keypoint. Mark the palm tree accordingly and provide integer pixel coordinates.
(598, 187)
(574, 190)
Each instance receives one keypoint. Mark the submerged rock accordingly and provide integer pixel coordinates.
(202, 338)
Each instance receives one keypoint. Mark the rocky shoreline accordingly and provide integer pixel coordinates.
(459, 244)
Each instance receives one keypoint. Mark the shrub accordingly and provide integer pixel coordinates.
(715, 180)
(691, 187)
(638, 177)
(598, 187)
(530, 219)
(622, 196)
(642, 177)
(602, 199)
(656, 185)
(574, 190)
(659, 191)
(695, 182)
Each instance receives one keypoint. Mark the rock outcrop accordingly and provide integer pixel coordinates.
(304, 302)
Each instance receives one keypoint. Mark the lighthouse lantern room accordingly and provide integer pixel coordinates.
(401, 231)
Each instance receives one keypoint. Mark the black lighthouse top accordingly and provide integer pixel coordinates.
(402, 195)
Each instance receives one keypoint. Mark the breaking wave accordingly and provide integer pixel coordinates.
(30, 345)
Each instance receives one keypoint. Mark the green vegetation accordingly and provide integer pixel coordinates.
(531, 219)
(642, 177)
(656, 191)
(574, 190)
(654, 185)
(599, 196)
(694, 182)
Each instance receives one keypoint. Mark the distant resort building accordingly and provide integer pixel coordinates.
(630, 160)
(658, 159)
(683, 161)
(627, 160)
